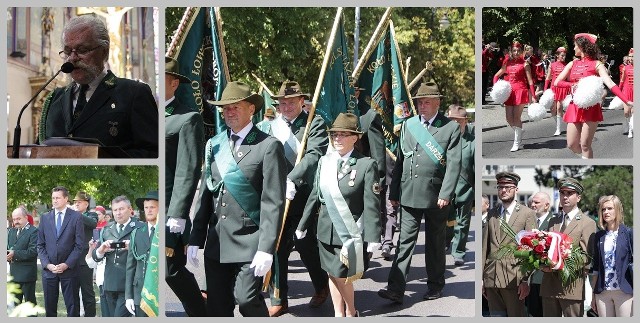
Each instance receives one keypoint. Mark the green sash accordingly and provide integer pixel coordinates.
(427, 142)
(264, 126)
(232, 177)
(349, 231)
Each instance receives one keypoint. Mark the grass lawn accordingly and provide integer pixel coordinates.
(62, 310)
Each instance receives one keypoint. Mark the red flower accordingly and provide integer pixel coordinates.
(538, 249)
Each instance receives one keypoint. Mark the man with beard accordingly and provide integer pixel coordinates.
(97, 104)
(503, 284)
(89, 221)
(541, 204)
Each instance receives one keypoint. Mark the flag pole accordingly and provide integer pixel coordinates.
(221, 41)
(402, 77)
(185, 24)
(417, 78)
(303, 142)
(375, 38)
(262, 84)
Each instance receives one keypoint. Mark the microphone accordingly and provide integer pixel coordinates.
(65, 68)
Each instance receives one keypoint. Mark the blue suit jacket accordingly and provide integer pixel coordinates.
(623, 257)
(67, 248)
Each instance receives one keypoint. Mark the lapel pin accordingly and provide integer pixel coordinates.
(113, 105)
(240, 154)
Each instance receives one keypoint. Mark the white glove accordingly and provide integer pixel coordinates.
(176, 225)
(262, 262)
(290, 191)
(301, 234)
(130, 306)
(373, 246)
(192, 256)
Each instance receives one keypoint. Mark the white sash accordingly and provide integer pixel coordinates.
(282, 132)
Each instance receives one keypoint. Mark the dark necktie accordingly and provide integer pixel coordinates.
(564, 222)
(152, 231)
(426, 124)
(538, 223)
(121, 226)
(18, 232)
(232, 144)
(340, 162)
(82, 101)
(59, 223)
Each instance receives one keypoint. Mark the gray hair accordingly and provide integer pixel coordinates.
(100, 31)
(20, 210)
(121, 198)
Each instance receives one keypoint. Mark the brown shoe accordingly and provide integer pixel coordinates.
(277, 310)
(319, 298)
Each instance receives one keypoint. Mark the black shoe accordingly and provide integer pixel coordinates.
(386, 252)
(458, 261)
(391, 295)
(432, 294)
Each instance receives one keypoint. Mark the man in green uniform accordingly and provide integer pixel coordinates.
(424, 182)
(89, 221)
(184, 145)
(22, 255)
(240, 206)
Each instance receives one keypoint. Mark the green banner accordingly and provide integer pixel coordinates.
(149, 302)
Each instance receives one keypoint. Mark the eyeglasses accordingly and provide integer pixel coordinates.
(340, 135)
(506, 188)
(81, 52)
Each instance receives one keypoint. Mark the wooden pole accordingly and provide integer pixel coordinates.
(264, 86)
(185, 24)
(375, 38)
(221, 40)
(417, 78)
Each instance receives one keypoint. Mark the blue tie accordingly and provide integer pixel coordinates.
(59, 223)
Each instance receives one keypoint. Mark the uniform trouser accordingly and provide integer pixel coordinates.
(86, 287)
(184, 283)
(459, 234)
(104, 308)
(28, 292)
(558, 307)
(233, 281)
(307, 247)
(116, 304)
(435, 231)
(70, 292)
(504, 302)
(534, 301)
(140, 312)
(388, 215)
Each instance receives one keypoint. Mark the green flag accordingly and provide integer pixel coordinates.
(198, 47)
(336, 93)
(149, 302)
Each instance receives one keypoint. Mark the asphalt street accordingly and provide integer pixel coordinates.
(539, 142)
(458, 295)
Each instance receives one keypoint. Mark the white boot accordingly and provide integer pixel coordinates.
(630, 133)
(558, 123)
(517, 138)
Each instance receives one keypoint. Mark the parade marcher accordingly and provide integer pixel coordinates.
(22, 255)
(613, 261)
(432, 141)
(541, 204)
(537, 70)
(372, 141)
(519, 75)
(90, 222)
(502, 282)
(626, 85)
(265, 124)
(388, 211)
(559, 93)
(347, 192)
(114, 247)
(458, 234)
(184, 147)
(485, 213)
(557, 299)
(289, 128)
(240, 206)
(138, 256)
(582, 123)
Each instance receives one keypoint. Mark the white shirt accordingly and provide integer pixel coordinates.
(241, 134)
(508, 211)
(572, 214)
(55, 216)
(430, 120)
(167, 102)
(149, 226)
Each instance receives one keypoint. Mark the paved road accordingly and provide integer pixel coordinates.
(610, 140)
(458, 295)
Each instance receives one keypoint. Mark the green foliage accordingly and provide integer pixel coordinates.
(22, 310)
(289, 43)
(31, 185)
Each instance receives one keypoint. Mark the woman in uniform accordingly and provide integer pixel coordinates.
(626, 84)
(559, 93)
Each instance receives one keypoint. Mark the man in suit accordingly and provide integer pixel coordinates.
(22, 255)
(238, 217)
(184, 145)
(424, 182)
(289, 128)
(89, 222)
(559, 300)
(541, 204)
(503, 284)
(118, 232)
(458, 232)
(138, 255)
(116, 111)
(60, 245)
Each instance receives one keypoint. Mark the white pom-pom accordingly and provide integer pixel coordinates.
(566, 101)
(536, 111)
(546, 99)
(500, 92)
(588, 92)
(616, 104)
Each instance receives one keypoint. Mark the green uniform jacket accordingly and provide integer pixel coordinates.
(466, 182)
(136, 268)
(363, 199)
(502, 272)
(184, 147)
(418, 182)
(582, 229)
(89, 222)
(372, 140)
(116, 261)
(121, 112)
(231, 235)
(24, 266)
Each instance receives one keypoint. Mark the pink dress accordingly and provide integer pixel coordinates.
(627, 88)
(559, 93)
(516, 75)
(583, 68)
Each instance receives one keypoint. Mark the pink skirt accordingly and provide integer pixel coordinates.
(577, 114)
(517, 97)
(559, 93)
